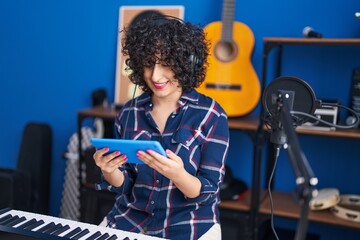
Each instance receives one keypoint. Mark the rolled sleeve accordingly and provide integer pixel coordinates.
(207, 191)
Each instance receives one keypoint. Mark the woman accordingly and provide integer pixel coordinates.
(177, 196)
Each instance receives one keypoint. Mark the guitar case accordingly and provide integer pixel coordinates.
(27, 187)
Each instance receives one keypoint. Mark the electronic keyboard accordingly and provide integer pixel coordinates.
(21, 225)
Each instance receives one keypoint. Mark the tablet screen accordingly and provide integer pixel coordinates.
(128, 147)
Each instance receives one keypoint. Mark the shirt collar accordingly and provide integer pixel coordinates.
(190, 96)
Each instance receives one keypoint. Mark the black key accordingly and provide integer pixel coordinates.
(81, 234)
(60, 230)
(19, 220)
(126, 238)
(4, 218)
(31, 221)
(4, 210)
(53, 229)
(10, 220)
(35, 225)
(73, 232)
(94, 236)
(46, 227)
(103, 237)
(113, 237)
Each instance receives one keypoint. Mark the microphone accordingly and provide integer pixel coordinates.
(309, 32)
(301, 98)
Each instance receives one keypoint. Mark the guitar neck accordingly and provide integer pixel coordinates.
(227, 20)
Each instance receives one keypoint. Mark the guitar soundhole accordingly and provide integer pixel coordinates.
(225, 51)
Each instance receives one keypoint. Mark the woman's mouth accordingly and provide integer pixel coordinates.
(160, 86)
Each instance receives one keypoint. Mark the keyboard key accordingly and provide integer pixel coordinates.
(4, 210)
(60, 230)
(81, 234)
(35, 225)
(103, 237)
(10, 220)
(53, 229)
(113, 237)
(5, 218)
(73, 232)
(94, 236)
(46, 227)
(16, 222)
(25, 224)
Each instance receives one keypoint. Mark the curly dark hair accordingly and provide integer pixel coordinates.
(176, 41)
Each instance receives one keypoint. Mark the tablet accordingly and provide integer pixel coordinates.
(128, 147)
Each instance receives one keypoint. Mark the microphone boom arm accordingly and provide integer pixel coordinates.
(305, 178)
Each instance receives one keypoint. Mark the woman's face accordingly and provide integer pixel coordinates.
(160, 79)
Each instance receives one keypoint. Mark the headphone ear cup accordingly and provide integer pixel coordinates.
(195, 62)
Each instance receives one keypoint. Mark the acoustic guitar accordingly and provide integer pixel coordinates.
(231, 79)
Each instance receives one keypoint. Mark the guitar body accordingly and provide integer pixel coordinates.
(231, 79)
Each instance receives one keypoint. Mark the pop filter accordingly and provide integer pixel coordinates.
(301, 96)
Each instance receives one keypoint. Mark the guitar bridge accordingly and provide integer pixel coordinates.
(223, 86)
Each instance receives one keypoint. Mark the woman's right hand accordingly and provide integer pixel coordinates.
(108, 163)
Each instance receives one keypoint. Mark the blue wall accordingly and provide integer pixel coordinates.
(54, 53)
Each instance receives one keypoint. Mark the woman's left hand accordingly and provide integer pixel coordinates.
(171, 167)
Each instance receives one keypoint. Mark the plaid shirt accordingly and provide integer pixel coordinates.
(150, 203)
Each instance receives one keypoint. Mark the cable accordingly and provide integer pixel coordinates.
(328, 123)
(270, 196)
(128, 113)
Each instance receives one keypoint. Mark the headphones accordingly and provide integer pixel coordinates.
(195, 59)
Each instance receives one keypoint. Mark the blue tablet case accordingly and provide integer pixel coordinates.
(128, 147)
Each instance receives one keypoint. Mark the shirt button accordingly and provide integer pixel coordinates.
(152, 202)
(157, 181)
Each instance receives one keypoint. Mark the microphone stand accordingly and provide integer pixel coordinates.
(305, 180)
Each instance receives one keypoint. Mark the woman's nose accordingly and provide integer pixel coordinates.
(157, 70)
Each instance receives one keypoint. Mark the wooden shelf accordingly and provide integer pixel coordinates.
(98, 111)
(242, 204)
(285, 206)
(312, 41)
(250, 122)
(347, 133)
